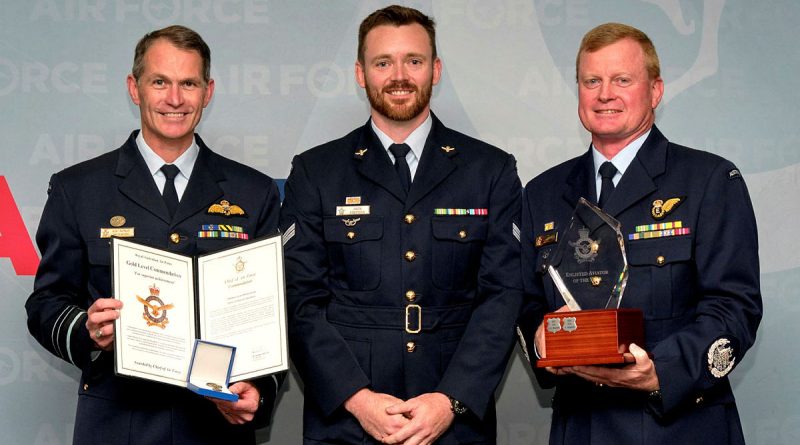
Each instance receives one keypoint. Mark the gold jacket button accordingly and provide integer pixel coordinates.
(699, 400)
(411, 295)
(175, 238)
(85, 386)
(411, 346)
(409, 219)
(660, 260)
(462, 234)
(351, 235)
(410, 256)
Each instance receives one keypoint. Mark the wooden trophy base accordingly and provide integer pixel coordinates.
(591, 337)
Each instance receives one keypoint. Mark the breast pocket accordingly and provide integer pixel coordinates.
(662, 274)
(456, 251)
(354, 250)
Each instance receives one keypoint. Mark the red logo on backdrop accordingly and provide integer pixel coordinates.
(15, 243)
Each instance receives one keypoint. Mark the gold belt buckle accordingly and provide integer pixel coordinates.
(419, 319)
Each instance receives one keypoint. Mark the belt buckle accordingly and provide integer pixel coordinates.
(409, 309)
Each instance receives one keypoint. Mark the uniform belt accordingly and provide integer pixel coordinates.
(412, 318)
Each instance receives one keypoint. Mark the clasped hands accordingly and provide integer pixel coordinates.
(416, 421)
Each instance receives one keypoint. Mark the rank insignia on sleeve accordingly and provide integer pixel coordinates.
(663, 208)
(226, 208)
(721, 358)
(288, 234)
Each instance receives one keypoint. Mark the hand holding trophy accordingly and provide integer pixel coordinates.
(590, 271)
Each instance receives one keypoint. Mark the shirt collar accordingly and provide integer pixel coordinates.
(185, 161)
(415, 140)
(623, 159)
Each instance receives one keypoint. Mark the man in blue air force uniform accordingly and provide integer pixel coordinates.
(164, 188)
(691, 243)
(401, 259)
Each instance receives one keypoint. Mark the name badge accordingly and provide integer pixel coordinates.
(119, 232)
(352, 210)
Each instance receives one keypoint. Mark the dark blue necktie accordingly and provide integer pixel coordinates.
(399, 151)
(170, 195)
(607, 172)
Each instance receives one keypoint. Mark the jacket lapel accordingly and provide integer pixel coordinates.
(637, 182)
(436, 163)
(203, 188)
(374, 163)
(138, 185)
(580, 181)
(136, 182)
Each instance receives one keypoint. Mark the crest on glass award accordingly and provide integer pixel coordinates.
(590, 270)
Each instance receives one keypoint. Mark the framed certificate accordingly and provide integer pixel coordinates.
(233, 297)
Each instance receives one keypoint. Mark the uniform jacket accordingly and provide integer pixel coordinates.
(699, 292)
(74, 271)
(360, 286)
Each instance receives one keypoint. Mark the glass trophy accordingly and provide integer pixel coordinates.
(590, 270)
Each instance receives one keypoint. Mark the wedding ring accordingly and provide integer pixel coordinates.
(98, 333)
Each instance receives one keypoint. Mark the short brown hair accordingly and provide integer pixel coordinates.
(395, 15)
(180, 36)
(609, 33)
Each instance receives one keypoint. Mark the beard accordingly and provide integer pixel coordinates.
(399, 112)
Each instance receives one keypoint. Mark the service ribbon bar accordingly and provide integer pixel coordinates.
(221, 234)
(659, 226)
(461, 212)
(222, 227)
(658, 233)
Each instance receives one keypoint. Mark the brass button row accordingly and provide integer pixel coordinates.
(410, 294)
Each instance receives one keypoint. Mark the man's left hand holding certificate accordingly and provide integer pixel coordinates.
(233, 299)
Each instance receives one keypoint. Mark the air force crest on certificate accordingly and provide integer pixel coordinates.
(155, 311)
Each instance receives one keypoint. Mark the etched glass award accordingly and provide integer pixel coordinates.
(589, 266)
(590, 270)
